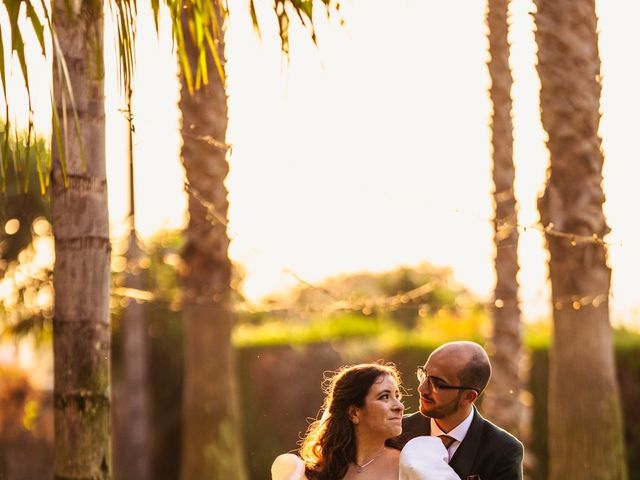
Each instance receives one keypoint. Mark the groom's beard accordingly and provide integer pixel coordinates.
(440, 411)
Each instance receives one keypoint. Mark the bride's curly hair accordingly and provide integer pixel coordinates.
(329, 444)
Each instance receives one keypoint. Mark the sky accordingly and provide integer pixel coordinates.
(372, 150)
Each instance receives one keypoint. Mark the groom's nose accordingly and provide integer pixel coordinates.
(425, 388)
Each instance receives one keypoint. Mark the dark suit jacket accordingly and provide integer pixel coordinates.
(487, 450)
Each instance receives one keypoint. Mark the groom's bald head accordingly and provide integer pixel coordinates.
(469, 360)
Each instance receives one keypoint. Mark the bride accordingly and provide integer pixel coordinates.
(361, 410)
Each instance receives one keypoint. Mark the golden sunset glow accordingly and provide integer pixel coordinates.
(372, 150)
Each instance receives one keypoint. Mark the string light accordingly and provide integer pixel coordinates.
(133, 293)
(400, 301)
(412, 299)
(550, 230)
(405, 300)
(574, 238)
(559, 302)
(212, 213)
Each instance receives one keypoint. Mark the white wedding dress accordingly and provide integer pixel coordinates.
(425, 458)
(422, 458)
(288, 467)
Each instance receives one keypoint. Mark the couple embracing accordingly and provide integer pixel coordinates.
(362, 433)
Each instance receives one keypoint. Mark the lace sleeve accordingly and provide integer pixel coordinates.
(288, 467)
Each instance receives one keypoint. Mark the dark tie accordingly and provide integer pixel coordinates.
(446, 440)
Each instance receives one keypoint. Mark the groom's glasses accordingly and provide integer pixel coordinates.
(438, 384)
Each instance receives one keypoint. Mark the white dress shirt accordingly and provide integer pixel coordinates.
(457, 433)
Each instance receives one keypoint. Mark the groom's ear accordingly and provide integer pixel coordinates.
(470, 396)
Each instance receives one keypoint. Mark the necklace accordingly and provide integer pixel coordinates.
(359, 468)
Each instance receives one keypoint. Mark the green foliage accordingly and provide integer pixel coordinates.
(625, 339)
(340, 326)
(26, 243)
(23, 197)
(537, 335)
(163, 253)
(26, 288)
(13, 9)
(405, 306)
(304, 10)
(125, 13)
(445, 326)
(404, 295)
(26, 428)
(205, 26)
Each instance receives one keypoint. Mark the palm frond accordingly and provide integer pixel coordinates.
(58, 137)
(155, 8)
(254, 16)
(38, 26)
(216, 57)
(13, 9)
(125, 13)
(206, 19)
(35, 326)
(39, 21)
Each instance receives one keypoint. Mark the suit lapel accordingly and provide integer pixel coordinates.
(463, 459)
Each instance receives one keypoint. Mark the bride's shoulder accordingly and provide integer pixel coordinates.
(288, 467)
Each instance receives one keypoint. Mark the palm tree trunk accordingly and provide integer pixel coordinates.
(502, 402)
(585, 424)
(211, 437)
(81, 330)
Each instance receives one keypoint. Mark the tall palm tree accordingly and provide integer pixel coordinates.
(82, 338)
(210, 446)
(585, 429)
(502, 399)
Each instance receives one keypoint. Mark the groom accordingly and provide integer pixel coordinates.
(450, 382)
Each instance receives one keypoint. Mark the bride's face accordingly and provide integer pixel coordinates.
(381, 414)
